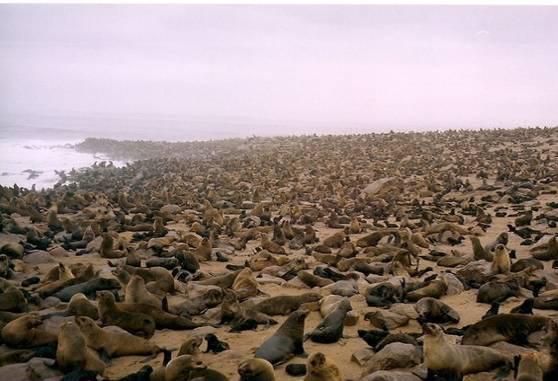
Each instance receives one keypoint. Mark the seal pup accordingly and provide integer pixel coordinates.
(215, 345)
(114, 343)
(191, 346)
(319, 369)
(286, 342)
(256, 370)
(458, 360)
(501, 262)
(72, 352)
(330, 330)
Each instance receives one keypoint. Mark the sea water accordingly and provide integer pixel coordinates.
(28, 161)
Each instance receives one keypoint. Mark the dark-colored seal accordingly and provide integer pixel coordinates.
(330, 330)
(498, 291)
(214, 344)
(286, 342)
(89, 288)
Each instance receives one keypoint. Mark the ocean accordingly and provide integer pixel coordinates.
(31, 161)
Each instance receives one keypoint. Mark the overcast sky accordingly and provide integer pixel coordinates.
(273, 69)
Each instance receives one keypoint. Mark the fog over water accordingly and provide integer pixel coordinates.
(184, 72)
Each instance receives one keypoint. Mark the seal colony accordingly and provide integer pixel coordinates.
(396, 256)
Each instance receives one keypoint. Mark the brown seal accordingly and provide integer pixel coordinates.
(191, 346)
(513, 328)
(442, 356)
(136, 292)
(24, 332)
(107, 250)
(13, 300)
(73, 353)
(245, 285)
(114, 343)
(501, 262)
(285, 304)
(160, 318)
(256, 370)
(319, 369)
(133, 322)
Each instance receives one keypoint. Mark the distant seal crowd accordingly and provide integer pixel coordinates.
(393, 256)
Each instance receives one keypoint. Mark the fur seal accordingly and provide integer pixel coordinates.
(245, 285)
(24, 332)
(214, 344)
(114, 343)
(191, 346)
(256, 370)
(498, 291)
(319, 369)
(285, 304)
(286, 342)
(72, 352)
(136, 292)
(458, 360)
(136, 323)
(480, 252)
(501, 263)
(13, 300)
(157, 279)
(435, 311)
(435, 289)
(330, 330)
(528, 367)
(513, 328)
(89, 288)
(79, 305)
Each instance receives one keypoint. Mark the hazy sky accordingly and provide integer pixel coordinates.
(282, 68)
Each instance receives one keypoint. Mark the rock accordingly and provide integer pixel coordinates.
(343, 288)
(362, 356)
(170, 209)
(396, 375)
(380, 185)
(50, 302)
(455, 286)
(59, 251)
(405, 310)
(38, 257)
(387, 319)
(393, 356)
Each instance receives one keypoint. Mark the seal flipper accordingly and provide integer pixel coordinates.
(165, 304)
(105, 357)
